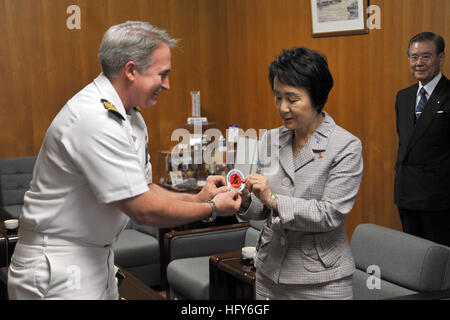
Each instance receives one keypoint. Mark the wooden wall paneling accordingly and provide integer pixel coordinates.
(383, 150)
(174, 106)
(372, 148)
(18, 106)
(57, 52)
(157, 13)
(7, 132)
(222, 91)
(209, 68)
(260, 89)
(238, 64)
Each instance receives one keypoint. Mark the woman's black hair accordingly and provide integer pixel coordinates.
(304, 68)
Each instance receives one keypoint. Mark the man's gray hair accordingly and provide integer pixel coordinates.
(130, 41)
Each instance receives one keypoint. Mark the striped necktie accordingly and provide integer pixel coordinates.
(422, 102)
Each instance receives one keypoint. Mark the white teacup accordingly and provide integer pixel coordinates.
(11, 224)
(248, 252)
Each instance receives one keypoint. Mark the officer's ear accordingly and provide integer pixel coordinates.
(130, 70)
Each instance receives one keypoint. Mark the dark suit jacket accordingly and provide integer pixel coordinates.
(422, 171)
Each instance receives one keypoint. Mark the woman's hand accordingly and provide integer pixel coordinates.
(259, 185)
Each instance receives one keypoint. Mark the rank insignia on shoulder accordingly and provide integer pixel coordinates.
(138, 109)
(110, 107)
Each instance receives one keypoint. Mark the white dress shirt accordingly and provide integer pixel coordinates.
(429, 87)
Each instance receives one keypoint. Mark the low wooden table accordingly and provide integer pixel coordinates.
(133, 289)
(3, 283)
(231, 278)
(8, 241)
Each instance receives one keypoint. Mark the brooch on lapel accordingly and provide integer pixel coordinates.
(320, 153)
(111, 108)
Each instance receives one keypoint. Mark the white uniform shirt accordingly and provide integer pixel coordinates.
(90, 157)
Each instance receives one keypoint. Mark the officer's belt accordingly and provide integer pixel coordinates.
(41, 239)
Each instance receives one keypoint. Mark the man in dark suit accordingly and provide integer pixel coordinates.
(422, 171)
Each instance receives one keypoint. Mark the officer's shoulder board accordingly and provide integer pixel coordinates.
(111, 108)
(138, 109)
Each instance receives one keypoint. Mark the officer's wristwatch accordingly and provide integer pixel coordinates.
(213, 215)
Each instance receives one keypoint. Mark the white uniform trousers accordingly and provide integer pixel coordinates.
(44, 267)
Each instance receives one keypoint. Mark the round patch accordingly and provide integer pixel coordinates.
(235, 179)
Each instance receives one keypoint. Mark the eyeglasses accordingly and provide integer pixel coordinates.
(425, 57)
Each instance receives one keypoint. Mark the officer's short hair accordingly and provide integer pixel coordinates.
(428, 36)
(130, 41)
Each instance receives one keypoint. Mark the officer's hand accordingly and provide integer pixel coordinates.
(259, 185)
(227, 203)
(213, 186)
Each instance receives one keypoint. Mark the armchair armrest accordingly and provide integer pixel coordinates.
(205, 241)
(150, 230)
(426, 295)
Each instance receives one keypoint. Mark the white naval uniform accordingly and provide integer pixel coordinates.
(90, 158)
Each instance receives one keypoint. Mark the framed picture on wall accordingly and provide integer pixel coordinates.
(338, 17)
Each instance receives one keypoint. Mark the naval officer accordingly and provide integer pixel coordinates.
(93, 174)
